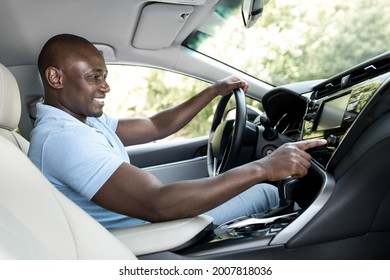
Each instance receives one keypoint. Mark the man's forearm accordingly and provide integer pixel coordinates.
(173, 119)
(194, 197)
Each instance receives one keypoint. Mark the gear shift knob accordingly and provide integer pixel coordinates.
(287, 193)
(286, 189)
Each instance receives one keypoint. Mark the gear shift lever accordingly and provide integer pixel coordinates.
(286, 189)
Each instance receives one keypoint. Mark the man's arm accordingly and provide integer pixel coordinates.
(133, 131)
(136, 193)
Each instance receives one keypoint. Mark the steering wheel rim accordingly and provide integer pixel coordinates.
(222, 153)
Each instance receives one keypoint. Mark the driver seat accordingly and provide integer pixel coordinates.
(10, 109)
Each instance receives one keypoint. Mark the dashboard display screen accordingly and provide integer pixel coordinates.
(333, 112)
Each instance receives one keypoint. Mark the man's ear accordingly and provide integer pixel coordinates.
(54, 77)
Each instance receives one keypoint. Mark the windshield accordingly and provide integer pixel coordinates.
(296, 40)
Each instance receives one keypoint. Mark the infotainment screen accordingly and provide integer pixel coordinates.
(333, 112)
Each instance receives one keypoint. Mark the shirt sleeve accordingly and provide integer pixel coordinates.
(79, 158)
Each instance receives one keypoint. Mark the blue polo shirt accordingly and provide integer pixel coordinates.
(78, 158)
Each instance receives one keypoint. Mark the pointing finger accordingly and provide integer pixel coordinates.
(307, 144)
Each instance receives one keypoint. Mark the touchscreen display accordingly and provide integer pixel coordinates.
(333, 113)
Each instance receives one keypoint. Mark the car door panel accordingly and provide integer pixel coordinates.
(172, 160)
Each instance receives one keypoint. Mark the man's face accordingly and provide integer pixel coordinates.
(84, 84)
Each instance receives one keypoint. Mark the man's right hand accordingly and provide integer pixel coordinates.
(290, 159)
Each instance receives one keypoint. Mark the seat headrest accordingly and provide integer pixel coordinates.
(10, 104)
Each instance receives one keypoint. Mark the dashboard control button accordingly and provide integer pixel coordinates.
(332, 140)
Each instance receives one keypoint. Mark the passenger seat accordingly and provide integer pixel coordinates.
(10, 109)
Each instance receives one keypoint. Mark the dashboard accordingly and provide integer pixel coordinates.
(337, 109)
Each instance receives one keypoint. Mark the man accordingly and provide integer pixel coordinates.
(81, 150)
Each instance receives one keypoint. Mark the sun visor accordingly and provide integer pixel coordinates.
(159, 24)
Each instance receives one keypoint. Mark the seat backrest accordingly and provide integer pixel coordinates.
(39, 222)
(10, 109)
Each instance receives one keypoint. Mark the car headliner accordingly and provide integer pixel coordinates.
(26, 25)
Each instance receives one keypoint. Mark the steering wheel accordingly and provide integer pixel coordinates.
(226, 136)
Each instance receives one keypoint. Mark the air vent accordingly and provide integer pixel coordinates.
(369, 71)
(328, 88)
(355, 75)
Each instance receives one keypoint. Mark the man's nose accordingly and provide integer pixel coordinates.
(104, 86)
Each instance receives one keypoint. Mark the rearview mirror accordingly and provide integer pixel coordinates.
(251, 11)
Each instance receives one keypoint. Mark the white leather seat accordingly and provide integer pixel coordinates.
(10, 109)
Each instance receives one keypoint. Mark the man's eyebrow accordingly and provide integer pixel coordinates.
(99, 70)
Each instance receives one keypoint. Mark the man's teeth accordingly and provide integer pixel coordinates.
(100, 100)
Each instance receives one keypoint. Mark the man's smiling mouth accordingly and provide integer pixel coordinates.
(100, 101)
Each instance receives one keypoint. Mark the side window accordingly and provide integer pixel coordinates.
(140, 91)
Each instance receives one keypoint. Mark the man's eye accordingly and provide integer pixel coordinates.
(95, 77)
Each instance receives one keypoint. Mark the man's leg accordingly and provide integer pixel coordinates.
(258, 199)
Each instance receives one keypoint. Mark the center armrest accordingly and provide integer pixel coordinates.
(157, 237)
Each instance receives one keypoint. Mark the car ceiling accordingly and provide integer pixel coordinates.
(127, 29)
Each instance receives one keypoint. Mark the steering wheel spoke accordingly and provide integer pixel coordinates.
(226, 136)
